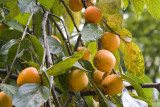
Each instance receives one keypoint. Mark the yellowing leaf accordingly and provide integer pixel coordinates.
(109, 6)
(115, 21)
(133, 59)
(117, 56)
(125, 34)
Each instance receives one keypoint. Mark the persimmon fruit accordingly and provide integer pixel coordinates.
(87, 54)
(93, 15)
(5, 100)
(97, 77)
(110, 41)
(28, 75)
(112, 84)
(77, 80)
(75, 5)
(104, 60)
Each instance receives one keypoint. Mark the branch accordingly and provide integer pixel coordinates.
(70, 99)
(23, 36)
(67, 33)
(113, 31)
(48, 55)
(60, 31)
(34, 24)
(69, 12)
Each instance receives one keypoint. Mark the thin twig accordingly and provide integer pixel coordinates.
(67, 102)
(69, 12)
(22, 38)
(34, 24)
(113, 31)
(65, 28)
(54, 94)
(60, 31)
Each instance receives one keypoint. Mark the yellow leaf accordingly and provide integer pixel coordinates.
(133, 59)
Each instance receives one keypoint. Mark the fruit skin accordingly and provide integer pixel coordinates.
(104, 60)
(112, 84)
(87, 54)
(110, 41)
(77, 80)
(55, 37)
(28, 75)
(93, 15)
(5, 100)
(75, 5)
(97, 77)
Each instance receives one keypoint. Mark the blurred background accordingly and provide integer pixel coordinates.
(146, 34)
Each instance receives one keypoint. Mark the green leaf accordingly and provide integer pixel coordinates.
(102, 99)
(89, 101)
(7, 35)
(45, 78)
(35, 65)
(38, 20)
(15, 25)
(133, 59)
(56, 6)
(61, 67)
(128, 101)
(91, 33)
(26, 6)
(87, 65)
(5, 48)
(136, 86)
(109, 6)
(38, 47)
(23, 18)
(13, 8)
(135, 78)
(48, 4)
(8, 89)
(153, 7)
(115, 21)
(54, 45)
(138, 6)
(5, 1)
(125, 3)
(31, 95)
(92, 46)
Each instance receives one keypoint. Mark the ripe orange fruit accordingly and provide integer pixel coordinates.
(93, 15)
(77, 80)
(88, 2)
(97, 77)
(112, 84)
(87, 55)
(55, 37)
(110, 41)
(28, 75)
(5, 100)
(104, 60)
(75, 5)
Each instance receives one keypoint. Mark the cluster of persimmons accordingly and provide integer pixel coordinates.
(77, 80)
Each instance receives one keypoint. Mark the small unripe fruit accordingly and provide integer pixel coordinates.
(55, 37)
(28, 75)
(75, 5)
(77, 80)
(97, 77)
(112, 84)
(87, 55)
(5, 100)
(104, 60)
(93, 15)
(110, 41)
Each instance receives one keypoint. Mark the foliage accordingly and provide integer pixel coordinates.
(26, 17)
